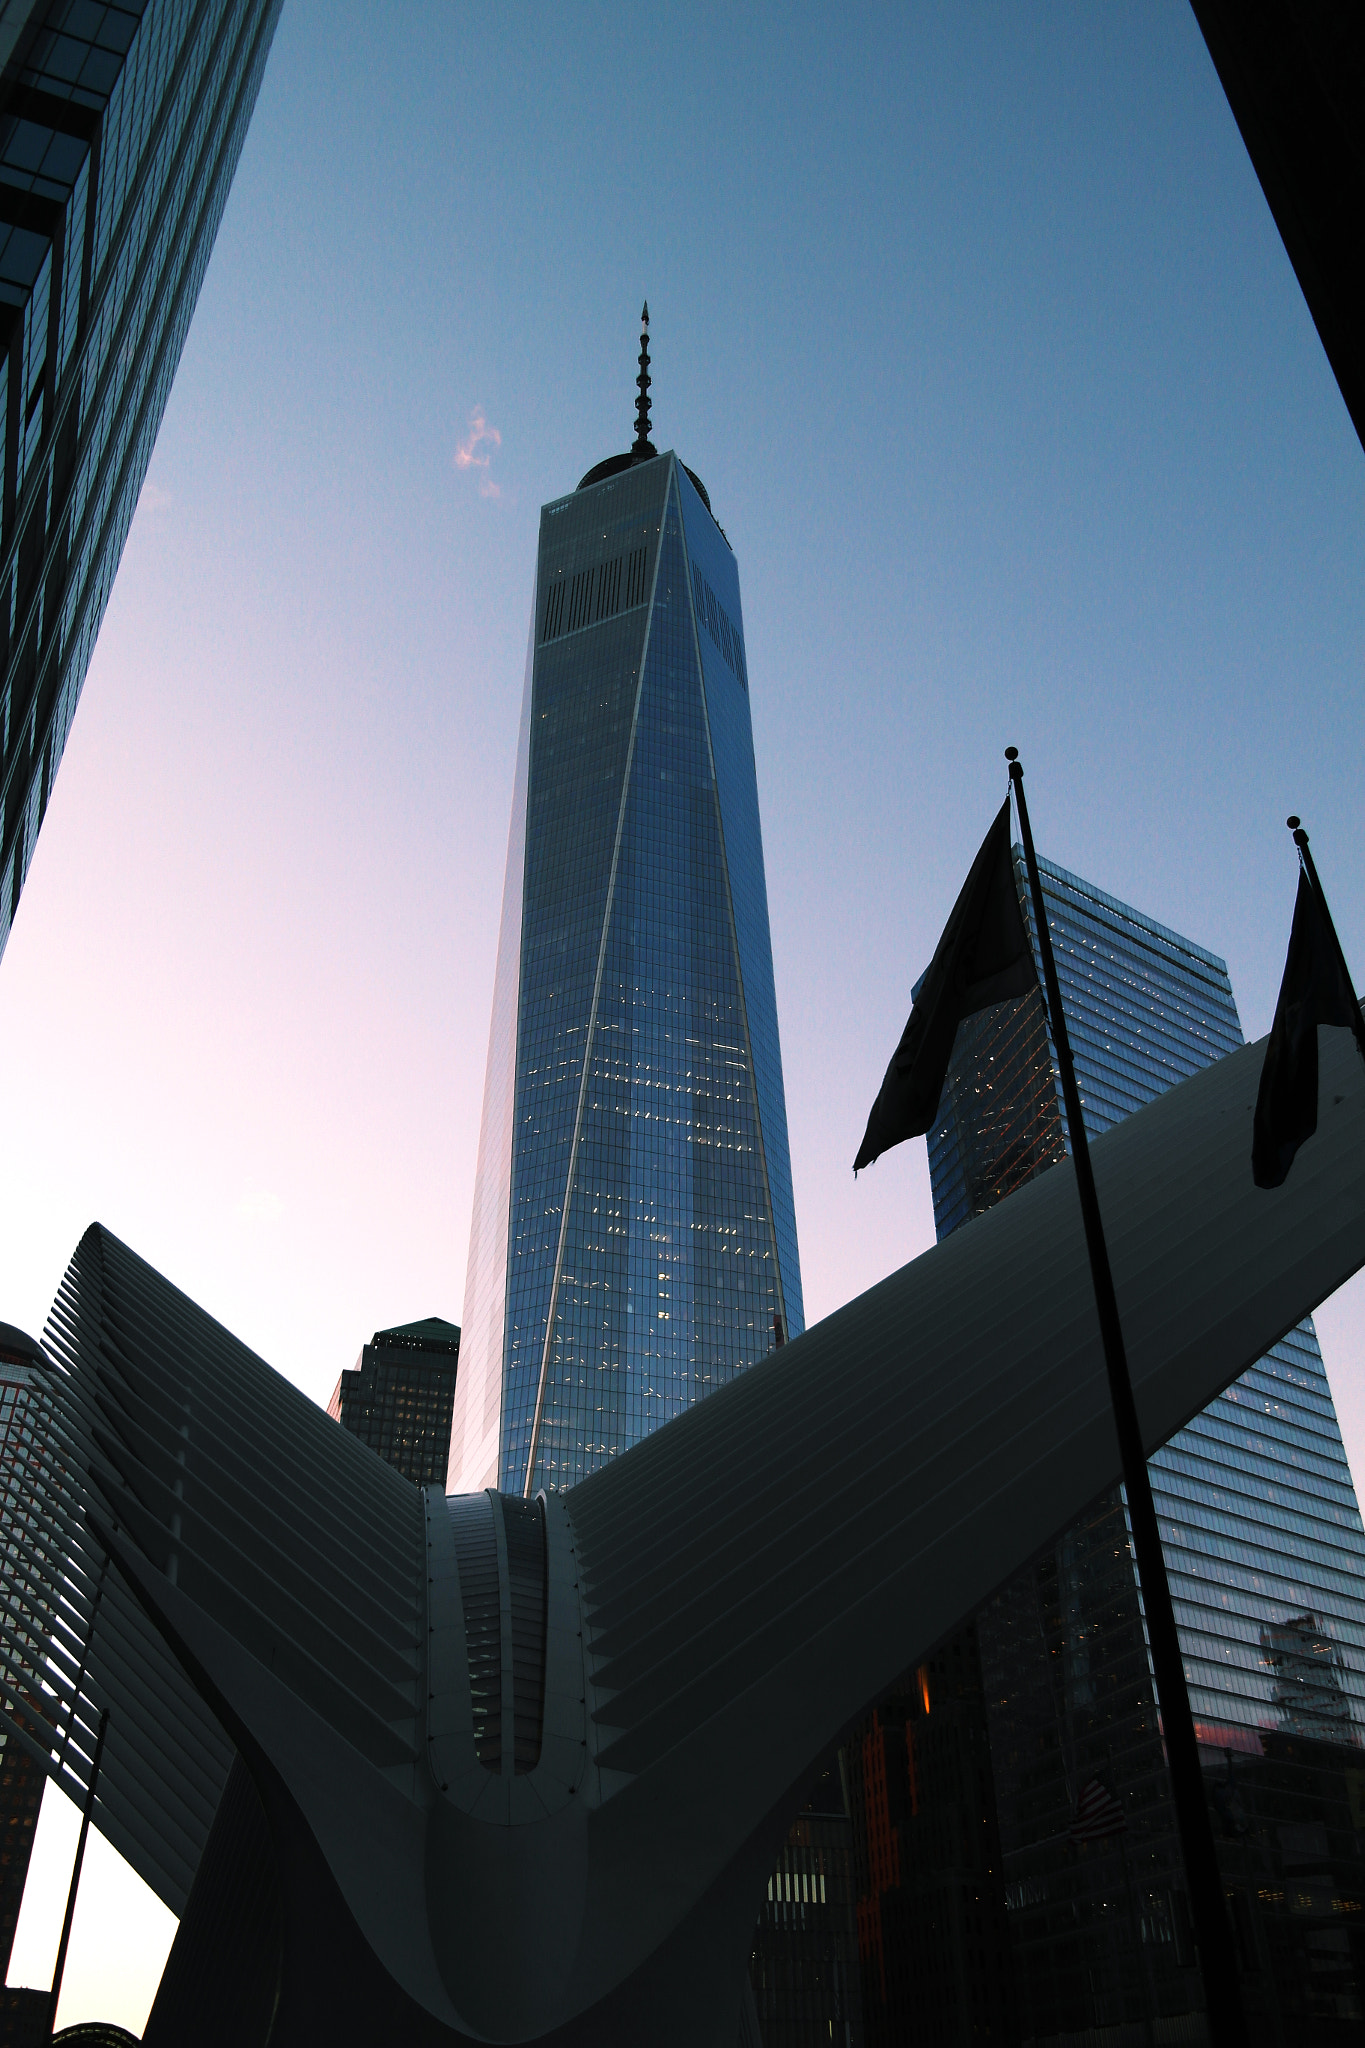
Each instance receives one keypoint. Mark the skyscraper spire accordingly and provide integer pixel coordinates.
(641, 449)
(643, 445)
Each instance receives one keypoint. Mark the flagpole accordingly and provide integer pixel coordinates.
(1213, 1930)
(1306, 856)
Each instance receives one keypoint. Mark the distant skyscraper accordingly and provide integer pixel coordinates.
(634, 1238)
(1266, 1559)
(120, 130)
(398, 1397)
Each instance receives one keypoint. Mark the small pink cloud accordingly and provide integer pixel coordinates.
(467, 455)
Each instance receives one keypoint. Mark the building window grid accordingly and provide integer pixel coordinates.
(1259, 1519)
(140, 85)
(629, 1348)
(400, 1400)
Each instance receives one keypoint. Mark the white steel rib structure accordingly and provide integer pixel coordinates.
(516, 1771)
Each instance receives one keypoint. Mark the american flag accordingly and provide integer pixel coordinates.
(1098, 1814)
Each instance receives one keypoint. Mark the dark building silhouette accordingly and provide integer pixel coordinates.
(23, 2018)
(1294, 74)
(1095, 1907)
(399, 1395)
(221, 1983)
(804, 1970)
(25, 1393)
(120, 130)
(21, 1796)
(930, 1903)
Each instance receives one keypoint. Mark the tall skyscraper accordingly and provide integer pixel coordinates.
(1266, 1557)
(634, 1238)
(120, 130)
(398, 1397)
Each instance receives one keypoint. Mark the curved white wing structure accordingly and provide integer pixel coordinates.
(539, 1757)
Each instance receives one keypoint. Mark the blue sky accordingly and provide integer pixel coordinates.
(976, 325)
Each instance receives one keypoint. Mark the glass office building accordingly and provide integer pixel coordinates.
(634, 1241)
(1258, 1510)
(400, 1394)
(120, 130)
(1266, 1558)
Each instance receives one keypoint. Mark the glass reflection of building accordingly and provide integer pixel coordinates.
(120, 130)
(634, 1240)
(1266, 1558)
(1308, 1679)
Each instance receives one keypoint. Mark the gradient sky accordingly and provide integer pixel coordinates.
(977, 327)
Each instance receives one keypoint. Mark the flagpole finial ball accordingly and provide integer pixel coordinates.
(1293, 823)
(1011, 753)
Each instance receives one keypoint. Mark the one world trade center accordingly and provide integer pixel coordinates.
(634, 1239)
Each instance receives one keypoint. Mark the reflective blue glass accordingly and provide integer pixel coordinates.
(725, 672)
(634, 1239)
(1264, 1550)
(1144, 1008)
(134, 118)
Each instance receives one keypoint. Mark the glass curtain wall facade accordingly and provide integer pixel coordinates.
(634, 1239)
(120, 130)
(1264, 1548)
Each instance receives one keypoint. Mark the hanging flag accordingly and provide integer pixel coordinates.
(1097, 1815)
(1314, 991)
(983, 957)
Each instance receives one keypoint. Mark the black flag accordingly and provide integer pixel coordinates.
(1313, 992)
(983, 957)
